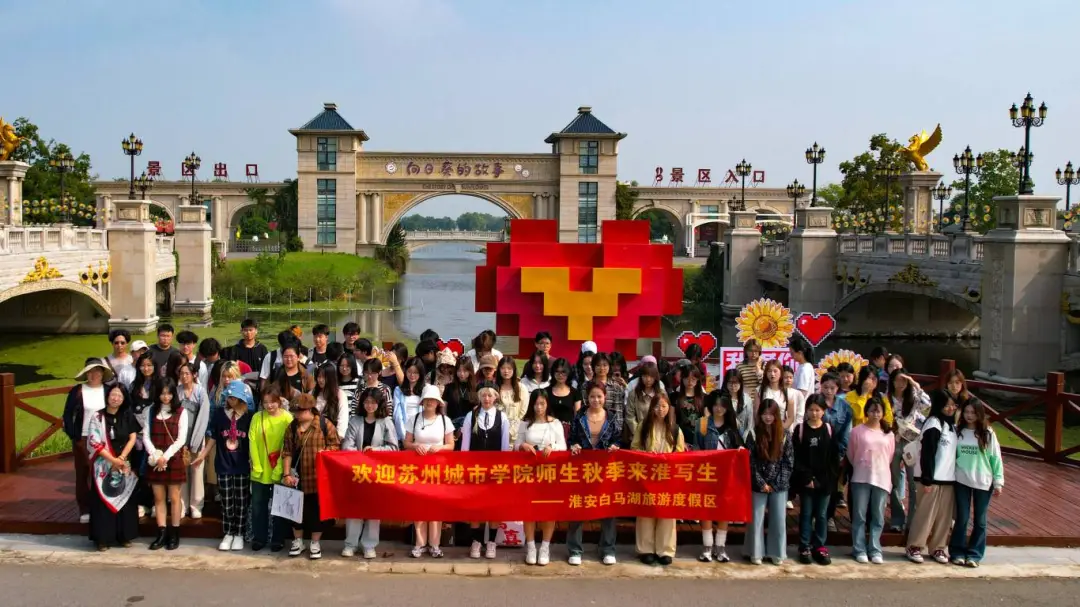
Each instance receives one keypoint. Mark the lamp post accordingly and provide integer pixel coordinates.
(1024, 117)
(62, 163)
(144, 182)
(795, 191)
(814, 155)
(132, 147)
(1067, 178)
(941, 192)
(889, 172)
(743, 170)
(967, 164)
(192, 164)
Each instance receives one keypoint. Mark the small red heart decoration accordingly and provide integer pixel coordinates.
(705, 339)
(815, 327)
(453, 343)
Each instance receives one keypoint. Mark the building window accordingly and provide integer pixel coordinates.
(326, 206)
(587, 211)
(589, 157)
(710, 209)
(326, 153)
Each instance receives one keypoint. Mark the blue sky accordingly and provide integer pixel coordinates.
(694, 84)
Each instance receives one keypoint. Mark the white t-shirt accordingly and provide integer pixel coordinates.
(542, 435)
(782, 399)
(93, 400)
(429, 432)
(804, 378)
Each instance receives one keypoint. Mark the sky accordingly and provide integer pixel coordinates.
(694, 84)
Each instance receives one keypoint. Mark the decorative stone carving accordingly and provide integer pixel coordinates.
(395, 201)
(912, 275)
(1036, 218)
(42, 271)
(522, 203)
(746, 222)
(818, 221)
(994, 300)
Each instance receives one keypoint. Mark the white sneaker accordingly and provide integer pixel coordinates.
(474, 550)
(861, 559)
(545, 554)
(196, 514)
(348, 552)
(369, 553)
(789, 505)
(315, 551)
(609, 559)
(877, 560)
(490, 552)
(238, 542)
(575, 560)
(226, 543)
(297, 547)
(84, 519)
(530, 553)
(417, 552)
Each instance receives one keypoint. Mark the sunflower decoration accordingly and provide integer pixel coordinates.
(766, 321)
(840, 356)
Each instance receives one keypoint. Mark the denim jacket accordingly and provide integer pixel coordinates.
(580, 436)
(839, 416)
(715, 438)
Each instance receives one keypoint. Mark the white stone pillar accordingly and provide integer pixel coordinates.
(192, 245)
(812, 261)
(133, 251)
(12, 173)
(376, 219)
(743, 248)
(219, 217)
(362, 218)
(691, 240)
(918, 208)
(538, 207)
(104, 211)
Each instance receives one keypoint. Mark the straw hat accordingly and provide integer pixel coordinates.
(95, 363)
(431, 393)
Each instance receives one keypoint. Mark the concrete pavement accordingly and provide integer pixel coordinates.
(197, 554)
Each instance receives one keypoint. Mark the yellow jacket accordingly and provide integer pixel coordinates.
(657, 438)
(858, 403)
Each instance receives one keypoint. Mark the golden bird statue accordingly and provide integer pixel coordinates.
(919, 147)
(8, 140)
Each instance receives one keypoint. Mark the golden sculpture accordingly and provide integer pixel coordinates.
(42, 271)
(8, 140)
(919, 147)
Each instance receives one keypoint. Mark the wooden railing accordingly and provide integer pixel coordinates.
(1051, 399)
(11, 457)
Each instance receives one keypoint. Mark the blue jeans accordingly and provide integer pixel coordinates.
(262, 524)
(755, 530)
(865, 496)
(960, 546)
(903, 482)
(607, 538)
(813, 524)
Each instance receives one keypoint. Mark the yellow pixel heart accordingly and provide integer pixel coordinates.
(580, 307)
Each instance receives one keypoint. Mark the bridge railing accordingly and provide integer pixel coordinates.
(11, 454)
(41, 239)
(774, 249)
(1074, 254)
(920, 246)
(453, 235)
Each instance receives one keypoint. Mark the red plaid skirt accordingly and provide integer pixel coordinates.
(175, 473)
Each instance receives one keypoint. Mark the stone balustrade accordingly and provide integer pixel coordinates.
(916, 246)
(165, 263)
(42, 239)
(774, 249)
(450, 235)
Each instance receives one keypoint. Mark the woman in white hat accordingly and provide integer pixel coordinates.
(445, 364)
(83, 402)
(429, 431)
(486, 428)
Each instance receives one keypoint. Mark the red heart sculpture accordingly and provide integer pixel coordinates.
(705, 339)
(815, 327)
(453, 343)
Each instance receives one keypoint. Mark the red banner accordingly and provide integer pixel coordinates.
(516, 486)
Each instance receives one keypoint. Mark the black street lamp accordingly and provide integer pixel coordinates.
(941, 192)
(1024, 117)
(62, 163)
(1067, 178)
(144, 182)
(743, 170)
(132, 148)
(192, 164)
(795, 191)
(967, 165)
(889, 172)
(814, 155)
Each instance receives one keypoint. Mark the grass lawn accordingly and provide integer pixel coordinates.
(307, 262)
(1070, 435)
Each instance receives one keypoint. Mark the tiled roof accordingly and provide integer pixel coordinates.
(328, 120)
(587, 124)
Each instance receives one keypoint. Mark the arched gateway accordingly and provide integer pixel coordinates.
(349, 198)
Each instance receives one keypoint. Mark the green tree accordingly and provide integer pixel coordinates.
(625, 198)
(285, 208)
(394, 253)
(864, 197)
(659, 225)
(43, 183)
(264, 203)
(998, 177)
(830, 195)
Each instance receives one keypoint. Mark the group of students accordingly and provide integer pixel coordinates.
(173, 421)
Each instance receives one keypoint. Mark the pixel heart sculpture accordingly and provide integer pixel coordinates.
(612, 293)
(815, 327)
(456, 346)
(705, 339)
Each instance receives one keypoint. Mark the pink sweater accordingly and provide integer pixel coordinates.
(870, 452)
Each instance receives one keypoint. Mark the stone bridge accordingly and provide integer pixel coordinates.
(422, 238)
(1016, 288)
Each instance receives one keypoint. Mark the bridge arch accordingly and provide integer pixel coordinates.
(236, 213)
(672, 215)
(53, 306)
(511, 211)
(51, 285)
(975, 309)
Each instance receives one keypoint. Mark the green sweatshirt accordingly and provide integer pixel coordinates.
(267, 435)
(978, 468)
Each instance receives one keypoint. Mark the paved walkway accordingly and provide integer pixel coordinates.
(202, 554)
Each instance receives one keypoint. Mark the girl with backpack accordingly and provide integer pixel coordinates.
(870, 451)
(771, 463)
(486, 428)
(816, 469)
(308, 435)
(980, 473)
(266, 438)
(718, 430)
(935, 469)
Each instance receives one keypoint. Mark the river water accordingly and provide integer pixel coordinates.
(438, 292)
